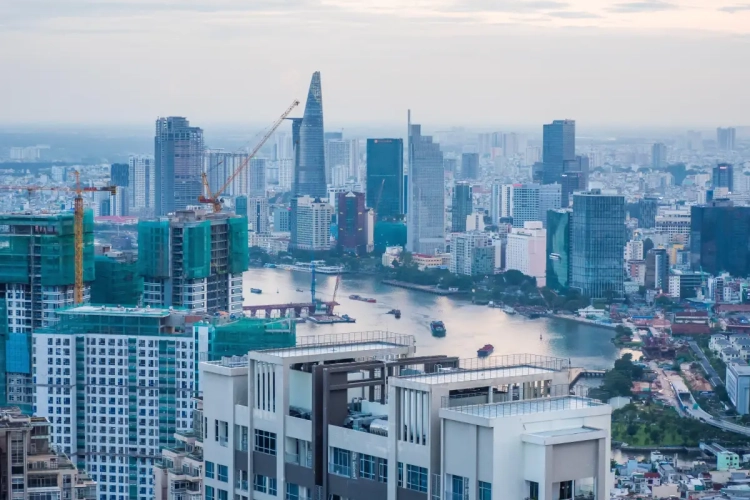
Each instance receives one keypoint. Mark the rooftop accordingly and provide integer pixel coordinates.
(118, 311)
(459, 375)
(313, 350)
(528, 407)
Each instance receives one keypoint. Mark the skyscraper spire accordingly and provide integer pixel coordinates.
(310, 170)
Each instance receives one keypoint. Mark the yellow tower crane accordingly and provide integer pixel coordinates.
(214, 199)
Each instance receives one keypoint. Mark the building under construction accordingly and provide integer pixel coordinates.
(37, 276)
(194, 260)
(117, 280)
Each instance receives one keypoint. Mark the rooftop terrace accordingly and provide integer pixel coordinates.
(527, 407)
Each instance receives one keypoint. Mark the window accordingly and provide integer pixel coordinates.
(401, 474)
(416, 478)
(259, 483)
(265, 442)
(223, 495)
(210, 470)
(459, 487)
(292, 491)
(383, 470)
(366, 466)
(485, 491)
(223, 473)
(340, 462)
(566, 490)
(272, 486)
(533, 490)
(210, 493)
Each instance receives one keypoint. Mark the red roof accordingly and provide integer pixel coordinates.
(692, 314)
(689, 329)
(652, 474)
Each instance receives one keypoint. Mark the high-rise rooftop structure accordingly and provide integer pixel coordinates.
(385, 177)
(219, 166)
(37, 276)
(462, 207)
(142, 189)
(194, 260)
(470, 166)
(179, 164)
(659, 155)
(426, 202)
(597, 243)
(558, 249)
(309, 145)
(720, 238)
(558, 150)
(725, 137)
(723, 176)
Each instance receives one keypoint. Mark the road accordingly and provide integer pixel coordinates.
(713, 377)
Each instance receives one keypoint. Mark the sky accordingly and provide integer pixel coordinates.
(472, 63)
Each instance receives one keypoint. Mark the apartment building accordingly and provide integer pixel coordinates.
(178, 475)
(359, 416)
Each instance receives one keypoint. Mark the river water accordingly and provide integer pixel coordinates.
(469, 326)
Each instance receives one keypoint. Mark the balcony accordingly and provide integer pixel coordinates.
(301, 460)
(223, 441)
(241, 485)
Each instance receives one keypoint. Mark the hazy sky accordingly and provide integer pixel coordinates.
(460, 62)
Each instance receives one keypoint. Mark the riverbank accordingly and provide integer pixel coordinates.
(423, 288)
(586, 321)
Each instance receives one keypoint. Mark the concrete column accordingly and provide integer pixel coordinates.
(489, 394)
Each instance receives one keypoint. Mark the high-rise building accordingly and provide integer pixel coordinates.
(117, 282)
(529, 202)
(725, 138)
(178, 163)
(720, 238)
(675, 223)
(694, 140)
(119, 175)
(220, 166)
(463, 206)
(558, 249)
(120, 200)
(470, 166)
(32, 467)
(385, 177)
(496, 198)
(550, 198)
(256, 177)
(472, 254)
(659, 155)
(657, 269)
(570, 182)
(142, 190)
(338, 157)
(309, 145)
(648, 208)
(426, 206)
(559, 148)
(281, 216)
(597, 243)
(526, 251)
(310, 224)
(352, 223)
(194, 260)
(37, 277)
(723, 176)
(257, 214)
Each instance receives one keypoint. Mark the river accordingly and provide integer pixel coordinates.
(469, 326)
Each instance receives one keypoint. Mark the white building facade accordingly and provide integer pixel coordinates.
(527, 251)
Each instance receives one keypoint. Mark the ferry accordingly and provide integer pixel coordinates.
(438, 328)
(256, 290)
(362, 299)
(485, 351)
(508, 310)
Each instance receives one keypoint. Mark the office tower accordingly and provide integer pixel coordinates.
(470, 166)
(550, 198)
(648, 208)
(117, 282)
(34, 469)
(725, 138)
(597, 243)
(658, 155)
(489, 142)
(283, 148)
(570, 182)
(513, 145)
(352, 223)
(256, 177)
(309, 145)
(558, 149)
(240, 206)
(426, 205)
(675, 223)
(120, 177)
(220, 166)
(657, 269)
(463, 206)
(142, 179)
(281, 217)
(385, 177)
(525, 205)
(694, 140)
(286, 174)
(338, 156)
(119, 174)
(723, 176)
(496, 196)
(333, 136)
(527, 251)
(436, 449)
(558, 249)
(194, 260)
(356, 161)
(178, 163)
(310, 224)
(472, 254)
(450, 165)
(37, 277)
(533, 155)
(720, 238)
(257, 214)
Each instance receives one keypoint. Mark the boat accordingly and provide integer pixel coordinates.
(300, 290)
(362, 299)
(395, 312)
(508, 310)
(347, 318)
(256, 290)
(438, 328)
(485, 351)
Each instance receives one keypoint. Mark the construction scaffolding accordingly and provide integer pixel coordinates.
(239, 255)
(196, 250)
(153, 246)
(236, 338)
(117, 281)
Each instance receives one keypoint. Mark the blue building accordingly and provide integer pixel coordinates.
(558, 150)
(309, 146)
(385, 177)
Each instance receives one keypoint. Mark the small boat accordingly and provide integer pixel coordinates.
(395, 312)
(347, 319)
(256, 290)
(362, 299)
(438, 328)
(300, 290)
(508, 310)
(485, 351)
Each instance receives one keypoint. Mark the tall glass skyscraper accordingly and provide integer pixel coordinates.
(558, 148)
(558, 249)
(385, 177)
(309, 145)
(597, 243)
(179, 164)
(462, 207)
(720, 238)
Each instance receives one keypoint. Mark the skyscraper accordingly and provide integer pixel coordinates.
(179, 163)
(725, 138)
(119, 175)
(462, 206)
(351, 218)
(558, 248)
(338, 157)
(120, 200)
(648, 208)
(309, 145)
(720, 238)
(310, 224)
(426, 222)
(659, 155)
(597, 243)
(570, 182)
(142, 192)
(496, 202)
(470, 166)
(657, 269)
(550, 198)
(385, 177)
(256, 177)
(219, 166)
(723, 176)
(257, 216)
(558, 149)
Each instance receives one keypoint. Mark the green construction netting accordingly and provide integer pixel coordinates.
(249, 334)
(14, 259)
(117, 282)
(3, 341)
(153, 248)
(238, 244)
(196, 247)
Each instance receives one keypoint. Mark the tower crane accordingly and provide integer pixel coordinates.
(77, 221)
(214, 199)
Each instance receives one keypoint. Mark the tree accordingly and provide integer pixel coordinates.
(647, 245)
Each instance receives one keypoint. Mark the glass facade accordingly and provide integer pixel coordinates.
(179, 164)
(558, 147)
(309, 145)
(462, 207)
(426, 210)
(385, 177)
(596, 244)
(720, 238)
(558, 249)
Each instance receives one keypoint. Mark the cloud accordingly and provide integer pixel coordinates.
(731, 9)
(571, 14)
(644, 6)
(506, 6)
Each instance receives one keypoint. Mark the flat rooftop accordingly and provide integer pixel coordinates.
(528, 407)
(150, 312)
(315, 350)
(460, 375)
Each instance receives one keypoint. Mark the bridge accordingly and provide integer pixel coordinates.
(576, 374)
(294, 309)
